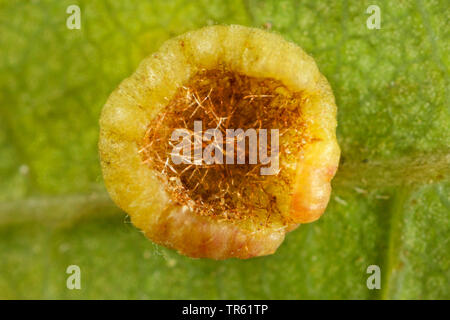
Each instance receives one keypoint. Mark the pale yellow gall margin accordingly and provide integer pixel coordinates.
(139, 99)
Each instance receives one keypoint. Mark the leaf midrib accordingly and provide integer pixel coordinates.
(405, 171)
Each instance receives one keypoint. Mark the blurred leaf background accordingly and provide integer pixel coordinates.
(390, 204)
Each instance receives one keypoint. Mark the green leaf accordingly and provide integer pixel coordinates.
(390, 204)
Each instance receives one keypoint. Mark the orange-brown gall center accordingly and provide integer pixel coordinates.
(226, 100)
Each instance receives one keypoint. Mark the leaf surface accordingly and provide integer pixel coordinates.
(390, 202)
